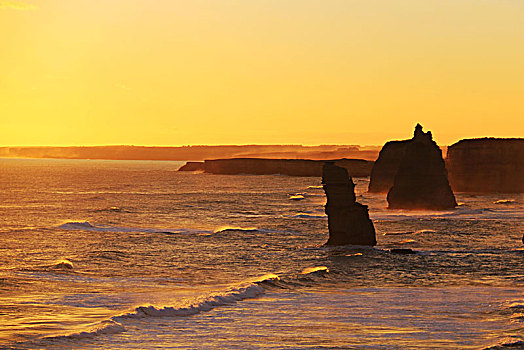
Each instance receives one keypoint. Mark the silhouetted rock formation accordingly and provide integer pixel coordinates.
(402, 251)
(386, 166)
(348, 220)
(487, 165)
(421, 181)
(291, 167)
(192, 166)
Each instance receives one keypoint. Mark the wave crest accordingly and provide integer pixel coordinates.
(315, 269)
(245, 290)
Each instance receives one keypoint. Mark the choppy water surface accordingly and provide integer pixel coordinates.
(122, 255)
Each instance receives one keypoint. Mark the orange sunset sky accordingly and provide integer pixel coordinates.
(170, 72)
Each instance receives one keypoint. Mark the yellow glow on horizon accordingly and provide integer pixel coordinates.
(174, 72)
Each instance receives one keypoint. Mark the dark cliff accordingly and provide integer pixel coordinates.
(192, 166)
(291, 167)
(348, 220)
(487, 165)
(421, 181)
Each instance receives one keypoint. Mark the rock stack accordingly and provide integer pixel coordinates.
(348, 220)
(421, 181)
(386, 166)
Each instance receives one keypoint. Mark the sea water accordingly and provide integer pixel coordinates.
(134, 255)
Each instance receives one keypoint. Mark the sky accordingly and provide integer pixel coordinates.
(180, 72)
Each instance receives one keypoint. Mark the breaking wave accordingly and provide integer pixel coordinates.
(459, 214)
(308, 216)
(116, 324)
(235, 229)
(504, 201)
(86, 226)
(104, 327)
(315, 269)
(508, 343)
(399, 233)
(516, 305)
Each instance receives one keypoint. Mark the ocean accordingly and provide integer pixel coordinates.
(134, 255)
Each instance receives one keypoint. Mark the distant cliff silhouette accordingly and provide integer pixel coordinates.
(291, 167)
(193, 153)
(487, 165)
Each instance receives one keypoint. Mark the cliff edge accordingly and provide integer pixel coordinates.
(487, 165)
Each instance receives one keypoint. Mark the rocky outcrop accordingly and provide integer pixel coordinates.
(291, 167)
(487, 165)
(386, 166)
(192, 166)
(348, 220)
(421, 181)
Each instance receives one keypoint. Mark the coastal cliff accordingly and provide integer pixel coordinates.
(348, 220)
(487, 165)
(192, 166)
(291, 167)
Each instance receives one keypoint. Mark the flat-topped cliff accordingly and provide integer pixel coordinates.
(291, 167)
(487, 165)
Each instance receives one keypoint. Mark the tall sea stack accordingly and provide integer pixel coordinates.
(421, 181)
(348, 220)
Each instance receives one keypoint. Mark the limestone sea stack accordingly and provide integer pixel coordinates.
(421, 181)
(348, 220)
(386, 166)
(487, 165)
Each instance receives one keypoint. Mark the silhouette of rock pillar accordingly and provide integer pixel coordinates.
(348, 220)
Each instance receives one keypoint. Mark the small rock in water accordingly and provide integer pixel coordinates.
(402, 251)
